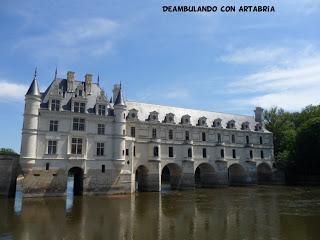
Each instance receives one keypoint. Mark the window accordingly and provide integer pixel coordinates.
(222, 153)
(52, 147)
(103, 168)
(234, 153)
(47, 166)
(76, 146)
(170, 151)
(100, 149)
(53, 126)
(189, 152)
(261, 142)
(262, 154)
(154, 133)
(79, 107)
(251, 154)
(102, 110)
(122, 152)
(204, 152)
(123, 132)
(78, 124)
(219, 138)
(101, 129)
(127, 152)
(170, 134)
(247, 140)
(203, 136)
(55, 105)
(124, 116)
(80, 93)
(233, 139)
(134, 150)
(133, 132)
(187, 135)
(155, 151)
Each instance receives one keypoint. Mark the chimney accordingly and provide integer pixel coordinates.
(70, 81)
(88, 82)
(259, 114)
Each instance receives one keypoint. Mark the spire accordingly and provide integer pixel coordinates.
(34, 87)
(98, 80)
(119, 100)
(55, 73)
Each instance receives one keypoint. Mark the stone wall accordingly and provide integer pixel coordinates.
(8, 174)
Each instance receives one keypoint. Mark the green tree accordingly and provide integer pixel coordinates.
(7, 151)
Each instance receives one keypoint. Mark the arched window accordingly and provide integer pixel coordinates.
(155, 151)
(189, 152)
(170, 134)
(233, 139)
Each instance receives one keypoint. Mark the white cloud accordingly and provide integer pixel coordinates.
(177, 93)
(12, 91)
(292, 83)
(73, 39)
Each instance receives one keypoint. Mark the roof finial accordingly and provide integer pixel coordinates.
(120, 85)
(35, 73)
(56, 73)
(98, 80)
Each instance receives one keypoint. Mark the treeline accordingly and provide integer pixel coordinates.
(7, 151)
(296, 138)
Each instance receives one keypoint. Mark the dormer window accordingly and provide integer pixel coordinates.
(101, 110)
(258, 127)
(217, 123)
(79, 107)
(202, 122)
(55, 105)
(185, 119)
(231, 124)
(80, 93)
(153, 116)
(245, 126)
(132, 115)
(169, 118)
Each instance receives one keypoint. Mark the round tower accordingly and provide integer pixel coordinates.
(30, 125)
(119, 127)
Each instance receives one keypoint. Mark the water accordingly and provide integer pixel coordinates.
(224, 213)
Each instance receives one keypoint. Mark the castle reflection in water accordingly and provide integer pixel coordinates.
(226, 213)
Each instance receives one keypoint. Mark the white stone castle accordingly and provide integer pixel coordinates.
(118, 146)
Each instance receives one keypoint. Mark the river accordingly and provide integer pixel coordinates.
(260, 212)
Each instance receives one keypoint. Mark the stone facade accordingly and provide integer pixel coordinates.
(117, 146)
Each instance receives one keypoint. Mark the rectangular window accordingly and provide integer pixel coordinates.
(52, 147)
(170, 151)
(102, 110)
(170, 134)
(251, 154)
(79, 107)
(53, 126)
(134, 150)
(222, 153)
(219, 138)
(154, 133)
(261, 140)
(127, 152)
(155, 151)
(76, 146)
(187, 135)
(233, 139)
(55, 105)
(204, 152)
(203, 136)
(234, 153)
(78, 124)
(103, 168)
(101, 129)
(133, 132)
(262, 154)
(247, 140)
(47, 166)
(100, 149)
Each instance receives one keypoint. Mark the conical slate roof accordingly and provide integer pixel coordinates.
(34, 88)
(119, 100)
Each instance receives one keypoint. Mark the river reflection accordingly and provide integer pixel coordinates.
(223, 213)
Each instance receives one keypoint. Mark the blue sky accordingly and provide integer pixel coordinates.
(227, 62)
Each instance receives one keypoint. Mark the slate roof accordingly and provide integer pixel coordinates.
(34, 89)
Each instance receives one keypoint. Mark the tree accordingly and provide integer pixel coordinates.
(7, 151)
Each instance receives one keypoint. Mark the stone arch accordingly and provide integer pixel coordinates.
(205, 175)
(264, 173)
(171, 175)
(237, 174)
(141, 178)
(77, 174)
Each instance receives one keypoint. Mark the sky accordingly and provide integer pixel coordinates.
(225, 62)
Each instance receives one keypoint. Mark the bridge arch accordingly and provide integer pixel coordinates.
(171, 175)
(205, 175)
(141, 178)
(264, 173)
(75, 174)
(237, 174)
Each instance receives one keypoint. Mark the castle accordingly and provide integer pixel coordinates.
(117, 146)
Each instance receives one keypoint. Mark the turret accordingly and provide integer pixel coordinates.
(30, 124)
(119, 127)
